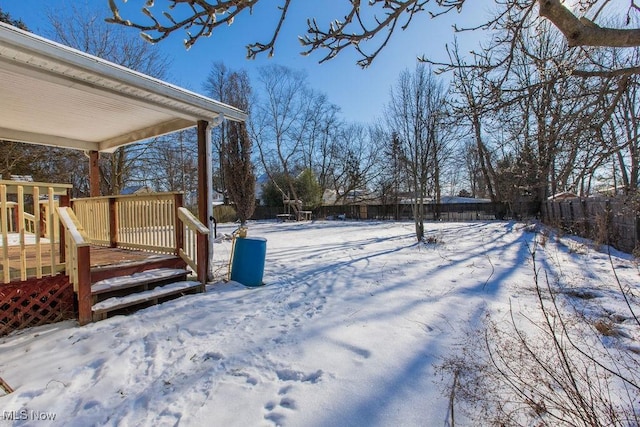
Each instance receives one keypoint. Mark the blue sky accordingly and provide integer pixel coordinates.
(361, 94)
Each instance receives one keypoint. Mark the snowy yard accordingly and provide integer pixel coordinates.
(348, 330)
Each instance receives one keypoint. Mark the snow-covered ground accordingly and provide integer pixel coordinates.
(347, 331)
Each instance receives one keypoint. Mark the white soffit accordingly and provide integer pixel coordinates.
(53, 95)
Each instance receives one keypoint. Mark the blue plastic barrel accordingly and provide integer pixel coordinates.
(248, 260)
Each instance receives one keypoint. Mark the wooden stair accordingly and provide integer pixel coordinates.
(125, 288)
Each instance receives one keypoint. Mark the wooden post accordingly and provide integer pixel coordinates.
(204, 183)
(65, 201)
(178, 227)
(84, 285)
(94, 174)
(113, 223)
(637, 234)
(202, 258)
(5, 386)
(14, 214)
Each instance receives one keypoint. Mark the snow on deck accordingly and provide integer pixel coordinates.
(141, 277)
(146, 295)
(13, 239)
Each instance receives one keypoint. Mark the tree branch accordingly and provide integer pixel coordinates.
(582, 31)
(367, 26)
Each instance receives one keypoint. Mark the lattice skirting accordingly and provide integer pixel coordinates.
(35, 302)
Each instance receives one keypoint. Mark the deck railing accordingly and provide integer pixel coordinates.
(193, 249)
(77, 261)
(151, 222)
(144, 222)
(28, 227)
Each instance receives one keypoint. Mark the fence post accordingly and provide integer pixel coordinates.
(572, 217)
(637, 235)
(608, 220)
(585, 218)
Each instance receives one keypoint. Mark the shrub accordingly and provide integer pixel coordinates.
(560, 373)
(224, 213)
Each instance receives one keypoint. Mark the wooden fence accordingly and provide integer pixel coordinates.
(436, 212)
(607, 221)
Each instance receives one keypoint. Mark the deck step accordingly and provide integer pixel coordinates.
(128, 268)
(151, 297)
(139, 279)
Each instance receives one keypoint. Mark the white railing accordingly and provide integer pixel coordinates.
(74, 238)
(150, 222)
(144, 222)
(93, 214)
(194, 237)
(77, 261)
(29, 223)
(28, 227)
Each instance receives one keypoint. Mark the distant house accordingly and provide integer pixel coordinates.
(610, 191)
(458, 199)
(136, 189)
(445, 200)
(22, 178)
(565, 195)
(261, 181)
(353, 197)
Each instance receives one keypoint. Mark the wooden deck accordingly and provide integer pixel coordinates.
(100, 256)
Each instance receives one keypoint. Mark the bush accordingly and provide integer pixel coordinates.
(561, 373)
(224, 213)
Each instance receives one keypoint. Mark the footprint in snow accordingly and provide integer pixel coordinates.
(249, 379)
(288, 403)
(276, 417)
(291, 375)
(215, 356)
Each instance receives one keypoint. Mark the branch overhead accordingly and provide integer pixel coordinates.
(583, 31)
(365, 27)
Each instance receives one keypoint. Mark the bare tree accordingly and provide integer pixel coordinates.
(237, 145)
(357, 157)
(84, 29)
(8, 19)
(415, 114)
(550, 118)
(472, 107)
(217, 86)
(169, 165)
(531, 114)
(42, 163)
(282, 121)
(236, 179)
(622, 133)
(323, 131)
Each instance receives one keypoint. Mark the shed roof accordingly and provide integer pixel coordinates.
(52, 94)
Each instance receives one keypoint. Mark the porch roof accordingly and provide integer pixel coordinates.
(51, 94)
